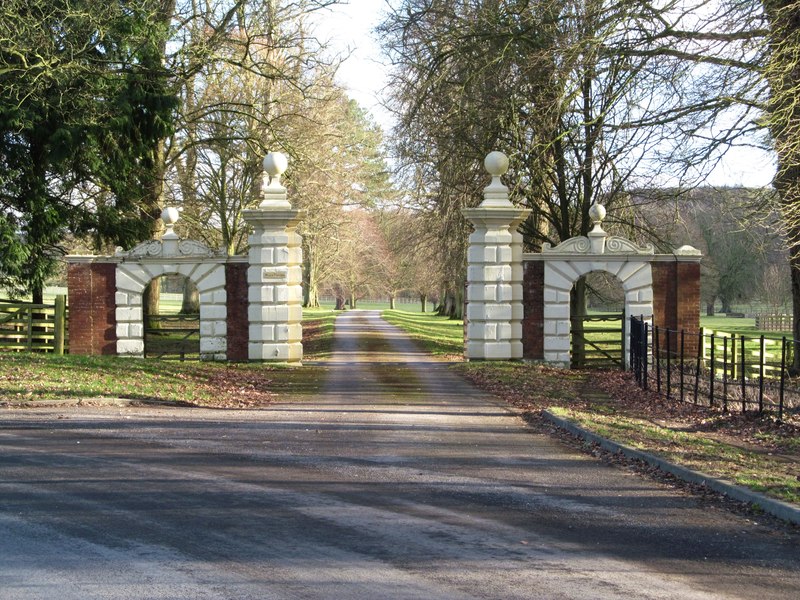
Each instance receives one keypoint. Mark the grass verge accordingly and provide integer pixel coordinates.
(318, 324)
(754, 452)
(438, 335)
(26, 377)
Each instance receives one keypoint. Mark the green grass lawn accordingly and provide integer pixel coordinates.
(318, 324)
(438, 335)
(29, 377)
(745, 327)
(415, 306)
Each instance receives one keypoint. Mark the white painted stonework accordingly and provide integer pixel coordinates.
(171, 256)
(275, 277)
(494, 275)
(578, 256)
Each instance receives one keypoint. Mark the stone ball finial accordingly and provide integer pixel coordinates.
(170, 216)
(597, 212)
(496, 163)
(275, 164)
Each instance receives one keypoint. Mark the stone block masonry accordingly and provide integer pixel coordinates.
(493, 321)
(275, 277)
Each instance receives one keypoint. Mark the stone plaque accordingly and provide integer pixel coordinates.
(273, 274)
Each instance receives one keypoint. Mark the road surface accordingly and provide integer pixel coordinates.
(400, 481)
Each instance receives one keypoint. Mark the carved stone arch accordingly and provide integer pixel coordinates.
(560, 274)
(136, 272)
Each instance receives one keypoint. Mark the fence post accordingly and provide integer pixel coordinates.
(631, 355)
(711, 371)
(657, 352)
(761, 375)
(724, 374)
(29, 327)
(700, 351)
(622, 366)
(742, 375)
(59, 327)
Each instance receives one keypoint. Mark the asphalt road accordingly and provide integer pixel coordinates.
(401, 481)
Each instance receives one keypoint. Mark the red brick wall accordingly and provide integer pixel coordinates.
(676, 302)
(664, 294)
(92, 316)
(533, 313)
(688, 301)
(238, 323)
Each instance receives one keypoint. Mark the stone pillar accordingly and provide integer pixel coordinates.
(274, 277)
(494, 285)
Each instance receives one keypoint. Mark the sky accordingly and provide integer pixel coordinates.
(349, 27)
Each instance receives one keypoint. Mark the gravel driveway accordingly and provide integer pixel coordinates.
(400, 481)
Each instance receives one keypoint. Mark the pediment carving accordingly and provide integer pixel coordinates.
(583, 245)
(170, 248)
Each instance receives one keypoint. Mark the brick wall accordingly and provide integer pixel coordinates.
(92, 320)
(664, 294)
(533, 310)
(676, 303)
(238, 324)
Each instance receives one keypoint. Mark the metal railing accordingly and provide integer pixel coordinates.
(717, 369)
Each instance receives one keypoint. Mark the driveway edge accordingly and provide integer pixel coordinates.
(777, 508)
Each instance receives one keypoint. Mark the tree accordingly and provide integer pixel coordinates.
(587, 98)
(783, 118)
(72, 77)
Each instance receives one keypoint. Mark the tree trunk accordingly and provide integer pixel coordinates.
(794, 263)
(577, 309)
(150, 302)
(191, 298)
(423, 300)
(783, 111)
(391, 301)
(447, 307)
(458, 312)
(710, 308)
(352, 299)
(726, 305)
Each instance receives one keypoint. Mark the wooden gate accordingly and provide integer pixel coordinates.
(172, 336)
(598, 341)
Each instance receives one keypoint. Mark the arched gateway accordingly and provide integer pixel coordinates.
(250, 306)
(519, 304)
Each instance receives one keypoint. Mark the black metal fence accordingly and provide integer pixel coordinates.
(733, 372)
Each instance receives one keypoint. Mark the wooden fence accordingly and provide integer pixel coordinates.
(26, 327)
(774, 322)
(723, 352)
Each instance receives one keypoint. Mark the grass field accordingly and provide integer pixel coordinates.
(318, 326)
